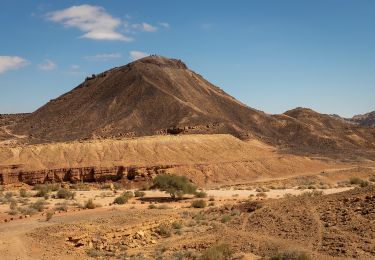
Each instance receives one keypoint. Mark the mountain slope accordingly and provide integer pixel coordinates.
(157, 95)
(366, 119)
(149, 96)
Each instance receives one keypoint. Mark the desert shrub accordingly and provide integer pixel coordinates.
(290, 255)
(23, 193)
(128, 194)
(198, 204)
(27, 210)
(65, 194)
(13, 205)
(201, 194)
(211, 204)
(261, 195)
(372, 178)
(176, 225)
(139, 194)
(211, 198)
(42, 191)
(46, 188)
(151, 206)
(121, 200)
(312, 193)
(235, 195)
(49, 215)
(225, 218)
(358, 181)
(39, 205)
(13, 212)
(262, 189)
(217, 252)
(8, 195)
(93, 253)
(164, 230)
(311, 187)
(80, 186)
(176, 186)
(118, 186)
(61, 206)
(89, 204)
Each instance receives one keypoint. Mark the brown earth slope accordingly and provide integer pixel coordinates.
(156, 95)
(205, 159)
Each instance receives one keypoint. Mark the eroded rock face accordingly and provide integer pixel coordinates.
(13, 175)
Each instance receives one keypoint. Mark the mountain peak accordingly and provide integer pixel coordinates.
(161, 62)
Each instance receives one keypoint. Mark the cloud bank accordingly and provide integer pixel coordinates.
(94, 21)
(12, 63)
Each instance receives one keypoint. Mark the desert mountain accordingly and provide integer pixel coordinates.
(366, 119)
(157, 95)
(154, 95)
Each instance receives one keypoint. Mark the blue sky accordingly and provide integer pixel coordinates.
(271, 55)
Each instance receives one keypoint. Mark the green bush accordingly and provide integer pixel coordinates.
(139, 193)
(176, 186)
(176, 225)
(201, 194)
(164, 230)
(61, 206)
(39, 205)
(358, 181)
(128, 194)
(225, 218)
(355, 180)
(217, 252)
(198, 204)
(121, 200)
(151, 206)
(65, 194)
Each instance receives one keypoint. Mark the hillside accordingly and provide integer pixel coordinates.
(150, 96)
(157, 96)
(366, 119)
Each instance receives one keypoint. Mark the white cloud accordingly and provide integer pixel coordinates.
(165, 25)
(12, 63)
(140, 26)
(148, 27)
(94, 21)
(47, 65)
(104, 56)
(135, 55)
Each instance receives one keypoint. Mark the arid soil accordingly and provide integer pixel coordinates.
(208, 160)
(338, 225)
